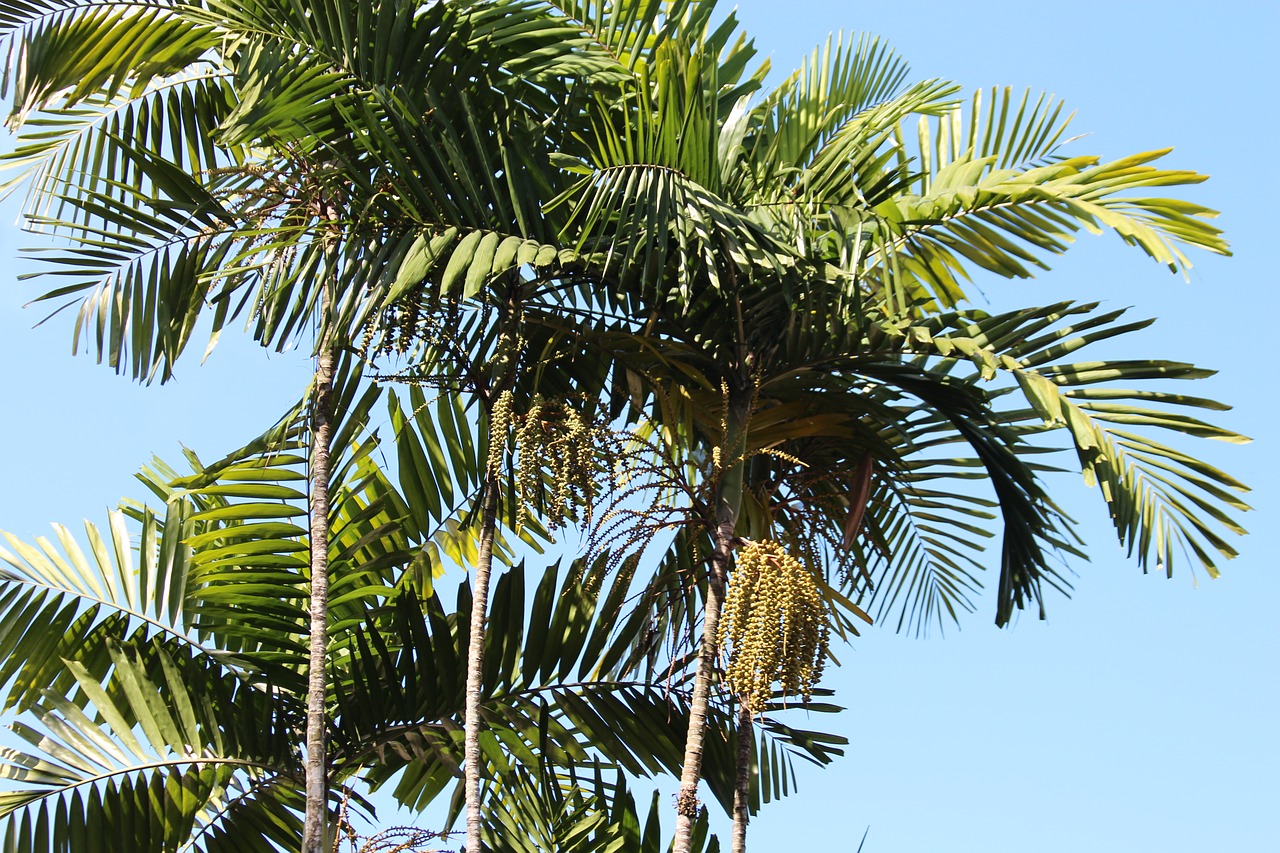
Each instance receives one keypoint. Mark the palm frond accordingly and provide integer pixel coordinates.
(993, 192)
(143, 757)
(59, 602)
(833, 85)
(569, 684)
(1162, 499)
(547, 809)
(68, 51)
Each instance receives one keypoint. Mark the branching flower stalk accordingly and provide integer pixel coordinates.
(554, 442)
(774, 627)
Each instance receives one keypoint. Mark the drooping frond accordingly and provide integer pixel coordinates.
(572, 683)
(144, 757)
(1115, 414)
(994, 189)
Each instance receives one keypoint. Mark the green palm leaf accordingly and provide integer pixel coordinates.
(833, 85)
(61, 602)
(1162, 500)
(142, 758)
(993, 192)
(70, 51)
(569, 684)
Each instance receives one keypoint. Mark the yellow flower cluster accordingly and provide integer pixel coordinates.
(552, 438)
(774, 626)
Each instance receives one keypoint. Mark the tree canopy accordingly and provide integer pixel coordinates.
(538, 215)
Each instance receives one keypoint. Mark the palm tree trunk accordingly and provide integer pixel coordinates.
(742, 788)
(687, 803)
(314, 833)
(484, 564)
(475, 657)
(728, 502)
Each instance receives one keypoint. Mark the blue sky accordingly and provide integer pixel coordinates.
(1141, 714)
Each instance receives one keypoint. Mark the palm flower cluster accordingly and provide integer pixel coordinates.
(556, 446)
(774, 626)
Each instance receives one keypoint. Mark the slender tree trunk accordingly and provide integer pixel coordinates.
(742, 788)
(314, 835)
(475, 657)
(687, 803)
(484, 564)
(728, 502)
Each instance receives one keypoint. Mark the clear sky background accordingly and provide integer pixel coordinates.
(1142, 715)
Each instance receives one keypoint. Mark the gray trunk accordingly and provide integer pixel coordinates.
(728, 502)
(742, 786)
(475, 658)
(314, 835)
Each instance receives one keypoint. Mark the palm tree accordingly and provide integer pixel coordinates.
(269, 161)
(790, 268)
(327, 168)
(319, 196)
(169, 712)
(725, 238)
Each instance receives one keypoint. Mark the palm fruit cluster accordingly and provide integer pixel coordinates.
(774, 626)
(556, 447)
(394, 329)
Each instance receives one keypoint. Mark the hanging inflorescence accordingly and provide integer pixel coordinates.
(397, 327)
(558, 456)
(774, 626)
